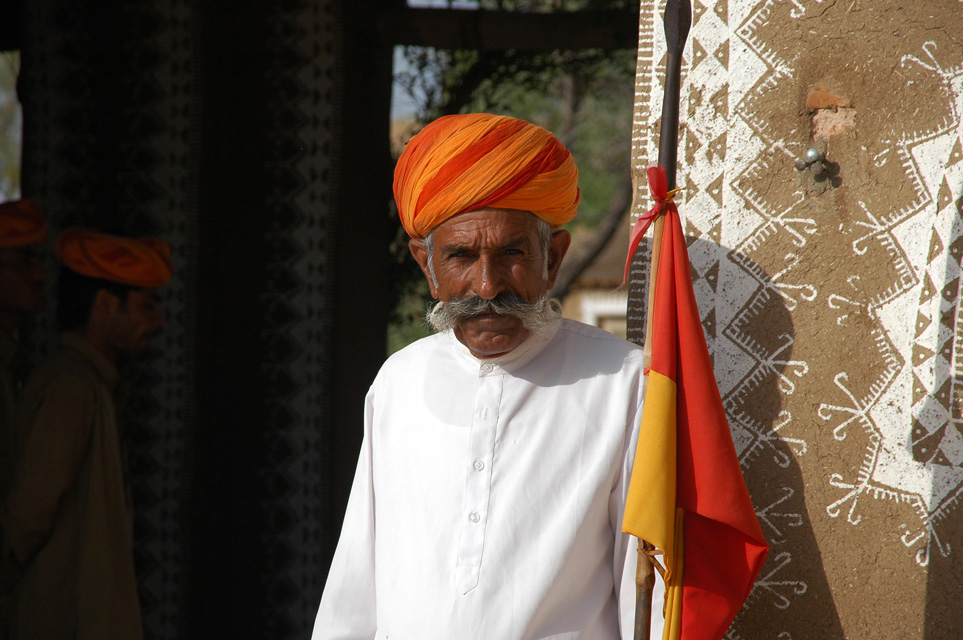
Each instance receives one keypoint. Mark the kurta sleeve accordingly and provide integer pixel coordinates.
(348, 608)
(55, 438)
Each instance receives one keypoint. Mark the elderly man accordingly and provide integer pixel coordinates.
(489, 491)
(69, 514)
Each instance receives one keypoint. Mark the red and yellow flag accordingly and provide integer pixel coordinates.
(687, 495)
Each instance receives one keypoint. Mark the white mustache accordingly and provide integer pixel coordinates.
(445, 315)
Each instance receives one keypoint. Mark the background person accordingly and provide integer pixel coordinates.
(22, 278)
(69, 515)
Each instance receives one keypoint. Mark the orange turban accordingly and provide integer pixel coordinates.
(468, 162)
(135, 262)
(21, 223)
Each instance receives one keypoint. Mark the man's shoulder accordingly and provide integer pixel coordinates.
(591, 336)
(63, 368)
(58, 385)
(585, 348)
(418, 348)
(417, 353)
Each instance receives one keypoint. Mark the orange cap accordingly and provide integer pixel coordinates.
(21, 223)
(463, 163)
(136, 262)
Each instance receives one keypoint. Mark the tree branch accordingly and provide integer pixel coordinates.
(576, 264)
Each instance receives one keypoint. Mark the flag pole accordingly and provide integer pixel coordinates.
(677, 20)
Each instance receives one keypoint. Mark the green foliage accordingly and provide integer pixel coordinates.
(407, 320)
(10, 126)
(408, 323)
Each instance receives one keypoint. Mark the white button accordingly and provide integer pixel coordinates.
(487, 368)
(479, 465)
(474, 517)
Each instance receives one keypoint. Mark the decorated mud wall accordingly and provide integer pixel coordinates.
(830, 297)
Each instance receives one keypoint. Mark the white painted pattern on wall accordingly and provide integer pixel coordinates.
(833, 315)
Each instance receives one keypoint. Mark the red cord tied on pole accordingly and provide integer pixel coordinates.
(659, 190)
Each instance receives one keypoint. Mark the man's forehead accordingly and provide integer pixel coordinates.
(480, 238)
(496, 226)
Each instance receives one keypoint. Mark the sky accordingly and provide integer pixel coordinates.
(10, 126)
(402, 105)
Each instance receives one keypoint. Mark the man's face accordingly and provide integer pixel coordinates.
(22, 278)
(486, 253)
(133, 324)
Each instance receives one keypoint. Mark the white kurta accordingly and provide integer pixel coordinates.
(488, 496)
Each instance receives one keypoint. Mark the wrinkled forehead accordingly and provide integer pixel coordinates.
(489, 224)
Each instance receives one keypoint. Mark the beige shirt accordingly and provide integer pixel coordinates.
(9, 386)
(9, 353)
(68, 517)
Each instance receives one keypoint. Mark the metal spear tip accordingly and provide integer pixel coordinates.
(677, 20)
(812, 155)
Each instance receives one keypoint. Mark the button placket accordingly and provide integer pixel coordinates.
(478, 481)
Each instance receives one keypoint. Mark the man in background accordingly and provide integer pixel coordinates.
(69, 516)
(22, 277)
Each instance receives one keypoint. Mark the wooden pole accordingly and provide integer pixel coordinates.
(677, 21)
(644, 583)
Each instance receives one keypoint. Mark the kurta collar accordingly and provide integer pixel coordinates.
(514, 359)
(99, 361)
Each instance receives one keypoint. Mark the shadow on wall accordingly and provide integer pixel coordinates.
(792, 593)
(935, 442)
(944, 581)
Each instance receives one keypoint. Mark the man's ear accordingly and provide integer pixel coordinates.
(557, 248)
(420, 253)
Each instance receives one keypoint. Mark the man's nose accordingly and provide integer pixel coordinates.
(488, 280)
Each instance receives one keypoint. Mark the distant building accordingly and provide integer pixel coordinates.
(595, 297)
